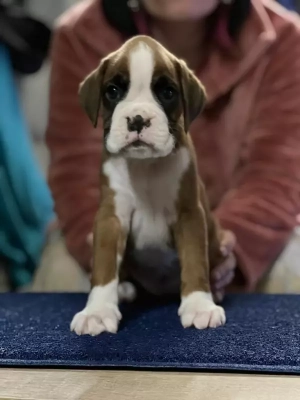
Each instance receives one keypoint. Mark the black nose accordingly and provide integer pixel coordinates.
(137, 123)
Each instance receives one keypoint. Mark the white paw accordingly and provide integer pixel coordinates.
(92, 321)
(199, 310)
(126, 292)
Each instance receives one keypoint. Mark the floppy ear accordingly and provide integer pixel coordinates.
(192, 92)
(90, 92)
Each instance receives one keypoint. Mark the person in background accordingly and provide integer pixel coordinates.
(247, 54)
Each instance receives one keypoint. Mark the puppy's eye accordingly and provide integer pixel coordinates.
(168, 93)
(112, 93)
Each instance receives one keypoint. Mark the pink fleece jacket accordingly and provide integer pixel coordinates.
(247, 140)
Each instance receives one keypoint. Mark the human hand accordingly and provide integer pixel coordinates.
(223, 274)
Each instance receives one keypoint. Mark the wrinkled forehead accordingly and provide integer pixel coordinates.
(141, 62)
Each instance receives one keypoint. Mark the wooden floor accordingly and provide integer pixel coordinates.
(35, 384)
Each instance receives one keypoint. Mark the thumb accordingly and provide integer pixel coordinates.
(228, 242)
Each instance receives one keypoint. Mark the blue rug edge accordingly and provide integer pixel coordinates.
(195, 367)
(184, 367)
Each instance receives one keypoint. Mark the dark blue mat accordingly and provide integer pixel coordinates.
(262, 334)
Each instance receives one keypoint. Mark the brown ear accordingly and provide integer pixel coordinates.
(90, 92)
(193, 94)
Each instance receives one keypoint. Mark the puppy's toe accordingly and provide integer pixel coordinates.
(199, 310)
(217, 317)
(201, 320)
(92, 321)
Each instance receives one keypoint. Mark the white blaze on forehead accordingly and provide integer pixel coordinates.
(140, 100)
(141, 67)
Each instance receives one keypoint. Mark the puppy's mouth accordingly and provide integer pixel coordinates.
(139, 145)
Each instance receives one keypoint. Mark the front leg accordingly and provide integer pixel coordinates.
(101, 312)
(197, 306)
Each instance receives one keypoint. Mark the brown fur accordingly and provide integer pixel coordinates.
(107, 231)
(196, 235)
(195, 232)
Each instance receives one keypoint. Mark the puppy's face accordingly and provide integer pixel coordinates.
(147, 99)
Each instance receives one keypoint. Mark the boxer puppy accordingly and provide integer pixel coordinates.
(151, 197)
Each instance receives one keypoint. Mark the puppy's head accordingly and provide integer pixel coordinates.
(147, 99)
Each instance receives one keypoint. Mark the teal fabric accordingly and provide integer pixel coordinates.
(26, 205)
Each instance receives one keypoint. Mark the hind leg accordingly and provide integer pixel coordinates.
(126, 289)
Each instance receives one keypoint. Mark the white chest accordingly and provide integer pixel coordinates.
(145, 195)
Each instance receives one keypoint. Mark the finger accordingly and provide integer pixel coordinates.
(225, 281)
(219, 296)
(228, 242)
(221, 270)
(218, 273)
(90, 238)
(228, 237)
